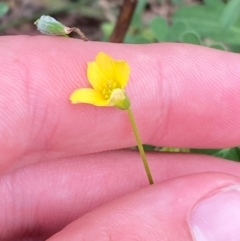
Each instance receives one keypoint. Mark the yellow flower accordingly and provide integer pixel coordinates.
(108, 78)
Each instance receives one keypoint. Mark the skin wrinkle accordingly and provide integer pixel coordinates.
(31, 91)
(164, 100)
(7, 183)
(22, 226)
(32, 107)
(168, 70)
(6, 188)
(174, 76)
(45, 141)
(44, 117)
(21, 73)
(23, 65)
(157, 89)
(40, 115)
(15, 111)
(138, 93)
(35, 107)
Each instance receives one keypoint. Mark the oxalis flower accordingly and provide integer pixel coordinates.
(108, 78)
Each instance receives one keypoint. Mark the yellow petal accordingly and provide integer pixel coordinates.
(105, 69)
(106, 64)
(122, 73)
(88, 96)
(95, 76)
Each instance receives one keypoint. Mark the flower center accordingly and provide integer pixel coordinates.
(108, 88)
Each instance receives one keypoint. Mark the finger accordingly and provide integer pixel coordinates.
(41, 199)
(164, 212)
(181, 95)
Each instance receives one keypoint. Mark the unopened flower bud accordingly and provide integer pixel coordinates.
(50, 26)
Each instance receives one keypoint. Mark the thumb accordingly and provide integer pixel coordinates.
(217, 217)
(195, 206)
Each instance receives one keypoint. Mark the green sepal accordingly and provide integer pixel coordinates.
(123, 104)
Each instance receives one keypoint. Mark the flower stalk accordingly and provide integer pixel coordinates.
(140, 146)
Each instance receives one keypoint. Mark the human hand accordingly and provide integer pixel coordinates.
(51, 173)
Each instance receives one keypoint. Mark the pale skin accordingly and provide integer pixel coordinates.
(51, 175)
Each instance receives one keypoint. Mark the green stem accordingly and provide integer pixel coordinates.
(140, 146)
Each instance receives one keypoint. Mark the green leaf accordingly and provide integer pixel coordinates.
(160, 28)
(228, 153)
(191, 37)
(230, 14)
(177, 2)
(176, 30)
(141, 40)
(129, 38)
(213, 3)
(205, 21)
(218, 46)
(148, 147)
(148, 34)
(107, 29)
(4, 8)
(205, 151)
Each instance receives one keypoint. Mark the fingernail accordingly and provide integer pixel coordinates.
(217, 216)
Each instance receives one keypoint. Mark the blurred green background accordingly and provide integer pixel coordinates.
(211, 23)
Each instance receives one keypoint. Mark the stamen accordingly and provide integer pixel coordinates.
(110, 86)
